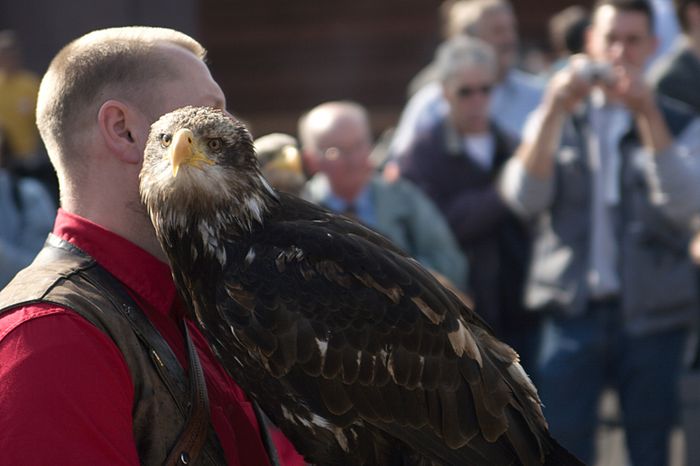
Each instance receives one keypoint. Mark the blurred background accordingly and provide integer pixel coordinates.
(274, 58)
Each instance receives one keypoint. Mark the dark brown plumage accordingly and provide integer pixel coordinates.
(354, 350)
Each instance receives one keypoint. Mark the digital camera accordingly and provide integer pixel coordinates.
(597, 72)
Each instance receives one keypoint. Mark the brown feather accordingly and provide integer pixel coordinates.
(334, 396)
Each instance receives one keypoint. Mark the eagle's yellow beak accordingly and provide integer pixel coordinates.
(184, 149)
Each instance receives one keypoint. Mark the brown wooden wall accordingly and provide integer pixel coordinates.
(277, 58)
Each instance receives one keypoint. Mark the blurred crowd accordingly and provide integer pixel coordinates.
(556, 189)
(28, 193)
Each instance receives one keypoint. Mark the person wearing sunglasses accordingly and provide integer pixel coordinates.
(515, 93)
(456, 163)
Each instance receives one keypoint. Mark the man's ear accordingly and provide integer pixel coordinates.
(116, 122)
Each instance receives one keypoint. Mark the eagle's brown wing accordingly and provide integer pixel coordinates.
(363, 336)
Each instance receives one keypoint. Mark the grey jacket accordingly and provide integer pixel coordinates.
(411, 221)
(659, 196)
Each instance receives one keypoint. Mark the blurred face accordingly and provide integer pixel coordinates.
(499, 28)
(468, 94)
(343, 156)
(620, 37)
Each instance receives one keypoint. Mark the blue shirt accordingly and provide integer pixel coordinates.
(27, 211)
(363, 206)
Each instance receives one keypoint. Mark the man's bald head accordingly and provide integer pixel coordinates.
(116, 63)
(317, 125)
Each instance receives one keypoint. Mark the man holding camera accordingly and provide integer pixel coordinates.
(605, 171)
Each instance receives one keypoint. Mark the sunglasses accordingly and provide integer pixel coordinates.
(467, 91)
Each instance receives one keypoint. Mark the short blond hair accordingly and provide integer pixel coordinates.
(108, 63)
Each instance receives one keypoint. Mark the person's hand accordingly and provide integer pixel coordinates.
(569, 86)
(629, 88)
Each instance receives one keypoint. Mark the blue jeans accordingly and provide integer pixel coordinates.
(581, 356)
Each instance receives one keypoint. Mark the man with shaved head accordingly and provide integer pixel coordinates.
(99, 363)
(336, 144)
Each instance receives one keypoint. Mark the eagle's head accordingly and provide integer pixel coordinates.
(200, 169)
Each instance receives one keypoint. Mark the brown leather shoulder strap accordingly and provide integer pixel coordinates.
(62, 260)
(58, 269)
(194, 435)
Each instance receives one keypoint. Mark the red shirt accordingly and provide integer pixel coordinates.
(66, 393)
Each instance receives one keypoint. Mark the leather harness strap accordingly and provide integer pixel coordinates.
(192, 440)
(194, 435)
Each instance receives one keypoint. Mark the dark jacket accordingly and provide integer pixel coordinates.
(676, 75)
(494, 240)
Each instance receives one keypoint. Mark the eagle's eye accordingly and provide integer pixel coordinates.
(165, 139)
(215, 144)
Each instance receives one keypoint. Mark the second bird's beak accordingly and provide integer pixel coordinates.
(184, 149)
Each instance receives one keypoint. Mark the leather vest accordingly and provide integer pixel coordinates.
(163, 403)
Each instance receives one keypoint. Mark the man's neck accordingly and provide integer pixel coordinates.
(475, 129)
(126, 222)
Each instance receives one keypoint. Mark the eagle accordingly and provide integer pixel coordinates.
(351, 347)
